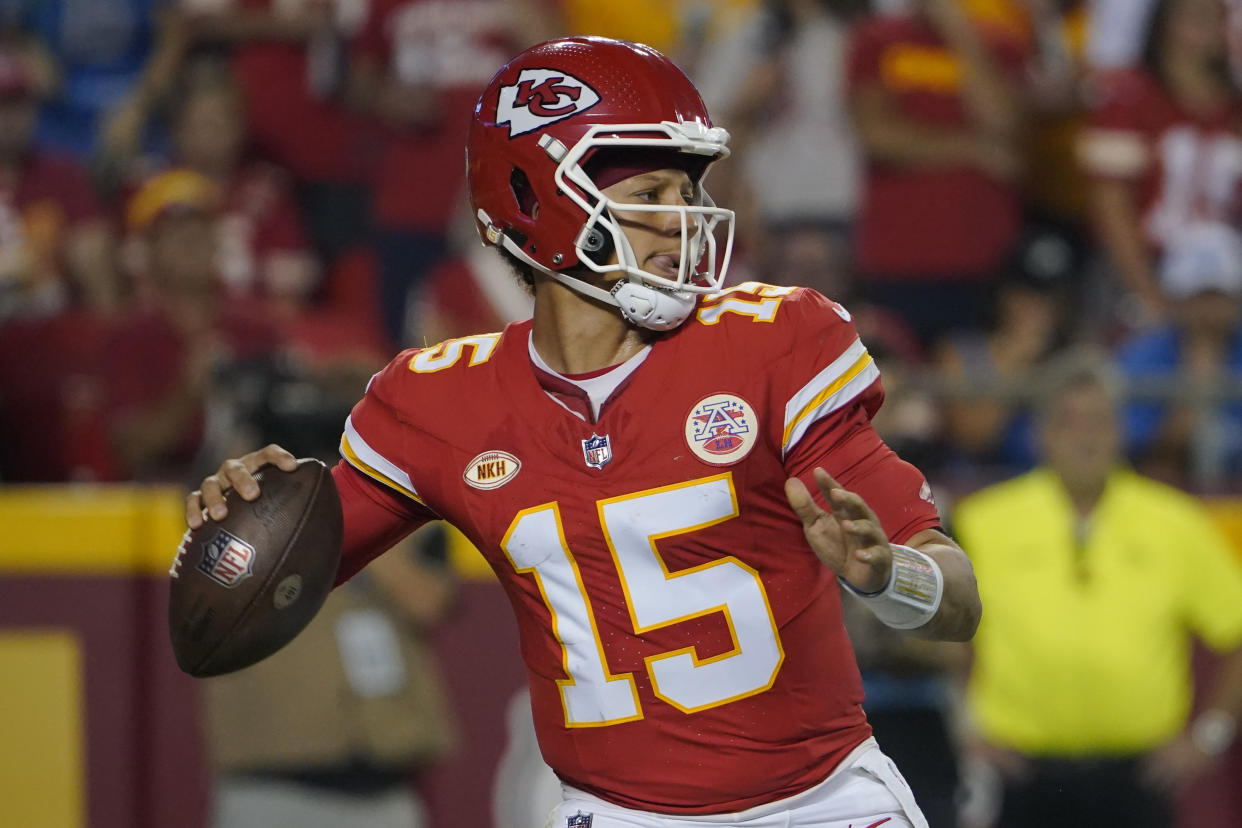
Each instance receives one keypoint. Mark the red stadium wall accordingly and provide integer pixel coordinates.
(114, 740)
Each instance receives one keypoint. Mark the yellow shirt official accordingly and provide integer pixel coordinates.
(1084, 647)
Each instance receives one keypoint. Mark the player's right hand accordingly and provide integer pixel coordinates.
(234, 473)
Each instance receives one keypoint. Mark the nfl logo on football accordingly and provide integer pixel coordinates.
(597, 451)
(227, 559)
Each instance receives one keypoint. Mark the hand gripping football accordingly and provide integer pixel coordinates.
(244, 587)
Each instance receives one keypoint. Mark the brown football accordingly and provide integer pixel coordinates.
(244, 587)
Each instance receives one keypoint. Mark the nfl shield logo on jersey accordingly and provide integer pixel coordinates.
(227, 559)
(580, 820)
(597, 451)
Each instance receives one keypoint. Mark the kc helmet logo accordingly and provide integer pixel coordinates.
(541, 97)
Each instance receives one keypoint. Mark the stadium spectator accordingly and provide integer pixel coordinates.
(1162, 148)
(56, 248)
(418, 66)
(1081, 681)
(265, 252)
(776, 77)
(937, 101)
(112, 60)
(289, 59)
(1055, 187)
(1182, 432)
(183, 330)
(334, 730)
(987, 372)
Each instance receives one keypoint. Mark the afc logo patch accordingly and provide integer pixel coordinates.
(541, 97)
(580, 820)
(721, 429)
(227, 559)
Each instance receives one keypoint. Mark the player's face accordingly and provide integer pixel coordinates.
(655, 237)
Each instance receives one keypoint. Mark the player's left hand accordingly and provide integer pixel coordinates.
(849, 539)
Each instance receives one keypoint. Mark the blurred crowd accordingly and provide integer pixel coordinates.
(219, 217)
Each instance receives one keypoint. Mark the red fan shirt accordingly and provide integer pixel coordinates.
(1186, 166)
(944, 222)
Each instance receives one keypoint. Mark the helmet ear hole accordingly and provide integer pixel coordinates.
(523, 193)
(593, 240)
(596, 245)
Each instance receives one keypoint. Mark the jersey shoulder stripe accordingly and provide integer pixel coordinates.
(370, 462)
(831, 389)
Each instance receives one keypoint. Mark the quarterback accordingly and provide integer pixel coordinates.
(670, 478)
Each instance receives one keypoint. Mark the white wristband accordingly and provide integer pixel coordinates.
(912, 595)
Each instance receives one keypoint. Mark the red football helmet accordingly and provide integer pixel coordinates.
(539, 123)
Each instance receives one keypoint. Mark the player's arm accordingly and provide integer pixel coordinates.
(850, 540)
(866, 513)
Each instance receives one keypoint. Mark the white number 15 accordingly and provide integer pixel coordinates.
(633, 525)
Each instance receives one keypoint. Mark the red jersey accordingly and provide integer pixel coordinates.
(904, 227)
(684, 646)
(1186, 166)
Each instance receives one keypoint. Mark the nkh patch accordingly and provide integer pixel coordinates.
(580, 820)
(491, 470)
(597, 451)
(721, 429)
(227, 559)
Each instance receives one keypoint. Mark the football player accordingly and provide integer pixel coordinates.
(670, 478)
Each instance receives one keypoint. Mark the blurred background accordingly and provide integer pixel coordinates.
(219, 217)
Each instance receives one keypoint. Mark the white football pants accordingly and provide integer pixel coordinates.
(866, 791)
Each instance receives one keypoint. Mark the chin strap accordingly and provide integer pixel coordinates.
(651, 307)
